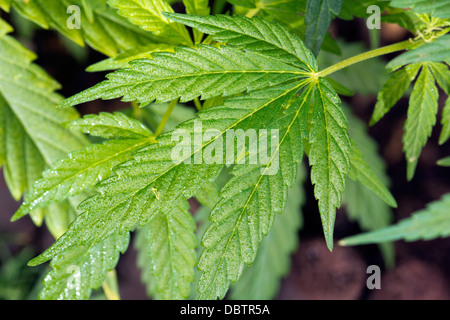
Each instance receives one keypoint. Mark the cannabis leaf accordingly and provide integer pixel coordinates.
(189, 73)
(122, 59)
(445, 162)
(435, 51)
(445, 133)
(82, 169)
(167, 254)
(31, 133)
(329, 155)
(319, 14)
(393, 89)
(423, 104)
(362, 204)
(249, 202)
(261, 280)
(421, 119)
(427, 224)
(256, 35)
(102, 28)
(438, 8)
(82, 268)
(148, 14)
(146, 185)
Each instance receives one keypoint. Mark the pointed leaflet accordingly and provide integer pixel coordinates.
(32, 135)
(199, 7)
(256, 34)
(111, 126)
(438, 8)
(435, 51)
(445, 162)
(423, 106)
(329, 154)
(361, 203)
(82, 169)
(441, 73)
(121, 60)
(262, 279)
(167, 254)
(5, 5)
(159, 175)
(81, 269)
(393, 90)
(430, 223)
(250, 200)
(188, 73)
(148, 14)
(319, 14)
(361, 171)
(445, 133)
(108, 32)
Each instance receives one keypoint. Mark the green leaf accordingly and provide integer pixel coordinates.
(32, 135)
(82, 268)
(208, 195)
(257, 35)
(111, 126)
(5, 28)
(445, 133)
(148, 14)
(108, 32)
(363, 205)
(261, 280)
(394, 88)
(438, 8)
(197, 7)
(82, 169)
(329, 154)
(427, 224)
(423, 107)
(249, 202)
(358, 8)
(243, 3)
(189, 73)
(362, 172)
(445, 162)
(435, 51)
(5, 5)
(441, 73)
(319, 14)
(166, 253)
(121, 60)
(153, 181)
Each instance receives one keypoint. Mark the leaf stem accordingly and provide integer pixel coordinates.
(365, 56)
(165, 118)
(111, 286)
(198, 104)
(253, 12)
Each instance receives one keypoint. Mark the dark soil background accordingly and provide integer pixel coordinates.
(421, 270)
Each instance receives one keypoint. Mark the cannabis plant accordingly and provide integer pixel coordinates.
(229, 104)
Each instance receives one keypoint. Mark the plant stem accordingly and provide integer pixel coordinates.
(253, 12)
(165, 118)
(110, 286)
(198, 104)
(365, 56)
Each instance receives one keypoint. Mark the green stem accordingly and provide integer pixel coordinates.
(365, 56)
(198, 104)
(165, 118)
(111, 286)
(253, 12)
